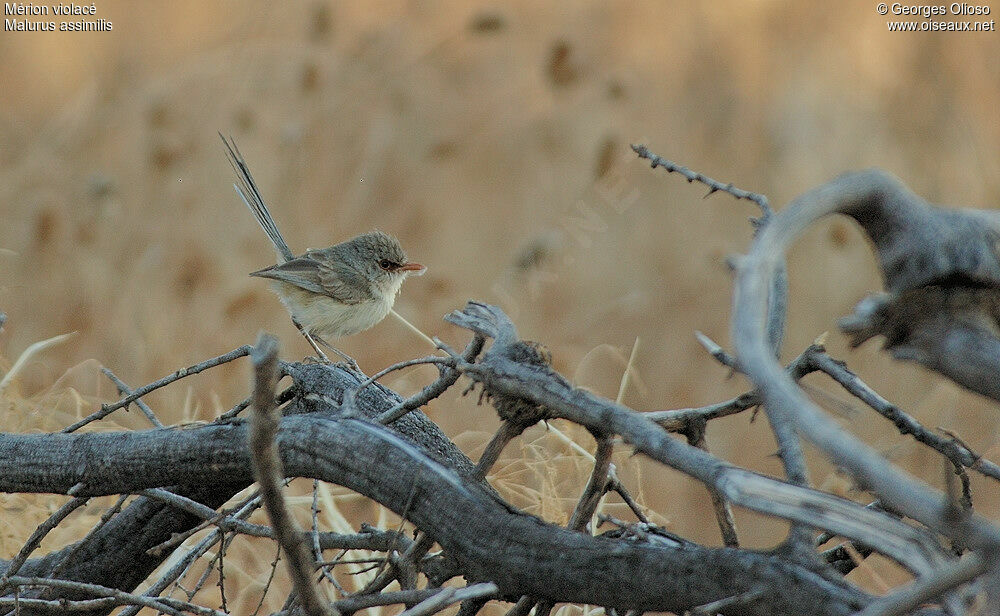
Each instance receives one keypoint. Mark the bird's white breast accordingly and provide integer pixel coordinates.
(330, 318)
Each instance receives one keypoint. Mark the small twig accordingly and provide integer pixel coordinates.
(677, 420)
(414, 553)
(220, 561)
(392, 561)
(373, 567)
(236, 410)
(777, 299)
(674, 420)
(450, 596)
(36, 537)
(713, 608)
(350, 561)
(267, 467)
(349, 406)
(723, 511)
(179, 569)
(270, 578)
(449, 376)
(961, 498)
(693, 176)
(125, 390)
(162, 604)
(716, 351)
(206, 574)
(596, 486)
(927, 588)
(616, 485)
(107, 409)
(233, 523)
(953, 449)
(221, 519)
(314, 533)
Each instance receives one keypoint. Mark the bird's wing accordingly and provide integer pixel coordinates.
(300, 272)
(314, 275)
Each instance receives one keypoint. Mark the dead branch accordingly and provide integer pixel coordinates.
(952, 245)
(146, 523)
(124, 389)
(107, 409)
(266, 463)
(503, 376)
(535, 563)
(942, 273)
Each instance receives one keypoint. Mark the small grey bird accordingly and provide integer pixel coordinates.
(332, 292)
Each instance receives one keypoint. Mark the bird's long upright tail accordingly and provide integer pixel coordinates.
(246, 188)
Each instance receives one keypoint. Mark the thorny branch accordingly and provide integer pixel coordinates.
(127, 391)
(942, 273)
(864, 196)
(503, 376)
(789, 447)
(317, 445)
(107, 409)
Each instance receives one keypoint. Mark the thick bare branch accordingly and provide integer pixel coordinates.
(861, 195)
(146, 523)
(542, 386)
(463, 516)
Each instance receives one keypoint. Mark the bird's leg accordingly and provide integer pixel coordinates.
(353, 365)
(319, 352)
(313, 339)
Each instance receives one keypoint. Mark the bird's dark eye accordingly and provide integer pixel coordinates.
(385, 264)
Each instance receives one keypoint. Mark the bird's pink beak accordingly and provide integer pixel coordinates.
(416, 268)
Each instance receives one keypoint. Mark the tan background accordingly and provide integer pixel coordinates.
(492, 139)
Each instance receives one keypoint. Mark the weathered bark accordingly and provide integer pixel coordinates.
(490, 540)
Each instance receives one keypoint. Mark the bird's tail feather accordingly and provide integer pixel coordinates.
(246, 188)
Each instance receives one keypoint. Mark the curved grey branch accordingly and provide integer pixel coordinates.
(147, 522)
(948, 246)
(501, 374)
(539, 559)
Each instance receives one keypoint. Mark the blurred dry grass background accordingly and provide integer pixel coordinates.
(492, 139)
